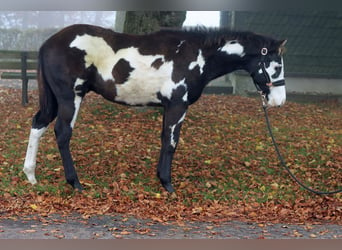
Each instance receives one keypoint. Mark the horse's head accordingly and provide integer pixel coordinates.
(267, 71)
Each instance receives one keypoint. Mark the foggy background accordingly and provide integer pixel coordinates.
(24, 20)
(27, 30)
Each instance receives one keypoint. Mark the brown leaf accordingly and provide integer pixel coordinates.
(125, 233)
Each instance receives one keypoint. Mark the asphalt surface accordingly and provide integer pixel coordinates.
(122, 227)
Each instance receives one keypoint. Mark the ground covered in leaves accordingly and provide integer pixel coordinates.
(225, 166)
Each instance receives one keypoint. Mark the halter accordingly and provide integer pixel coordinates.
(264, 105)
(262, 64)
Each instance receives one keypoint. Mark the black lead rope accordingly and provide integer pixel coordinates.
(281, 159)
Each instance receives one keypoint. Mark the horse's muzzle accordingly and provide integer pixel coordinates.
(277, 95)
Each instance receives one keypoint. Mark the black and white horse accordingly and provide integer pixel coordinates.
(168, 68)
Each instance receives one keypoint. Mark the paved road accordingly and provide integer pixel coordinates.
(121, 227)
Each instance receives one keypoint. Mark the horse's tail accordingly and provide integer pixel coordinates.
(47, 99)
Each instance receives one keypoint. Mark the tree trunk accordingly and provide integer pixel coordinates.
(142, 22)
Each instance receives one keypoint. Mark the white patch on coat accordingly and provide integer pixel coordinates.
(233, 48)
(199, 61)
(77, 101)
(143, 83)
(271, 70)
(173, 127)
(167, 89)
(277, 96)
(31, 154)
(98, 53)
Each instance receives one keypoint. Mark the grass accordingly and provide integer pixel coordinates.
(224, 155)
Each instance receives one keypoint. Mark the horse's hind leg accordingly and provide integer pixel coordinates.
(39, 125)
(67, 113)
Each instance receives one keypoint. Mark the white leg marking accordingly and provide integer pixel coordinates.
(172, 136)
(31, 154)
(77, 102)
(182, 118)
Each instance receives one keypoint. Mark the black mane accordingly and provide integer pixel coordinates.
(218, 36)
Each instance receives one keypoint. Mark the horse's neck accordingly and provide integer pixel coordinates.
(216, 67)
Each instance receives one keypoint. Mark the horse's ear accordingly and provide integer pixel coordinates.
(281, 46)
(283, 42)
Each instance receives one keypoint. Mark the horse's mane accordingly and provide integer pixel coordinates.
(210, 36)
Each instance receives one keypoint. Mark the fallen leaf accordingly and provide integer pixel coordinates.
(313, 236)
(34, 206)
(29, 231)
(197, 210)
(125, 233)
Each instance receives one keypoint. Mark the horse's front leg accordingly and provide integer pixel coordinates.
(172, 123)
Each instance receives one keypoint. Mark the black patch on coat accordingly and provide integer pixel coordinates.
(121, 71)
(157, 63)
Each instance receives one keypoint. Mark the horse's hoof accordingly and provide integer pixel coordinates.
(77, 186)
(80, 189)
(168, 187)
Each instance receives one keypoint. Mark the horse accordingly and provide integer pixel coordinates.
(167, 68)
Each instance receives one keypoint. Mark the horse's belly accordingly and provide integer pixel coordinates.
(137, 91)
(144, 83)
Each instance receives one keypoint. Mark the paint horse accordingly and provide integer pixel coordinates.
(169, 68)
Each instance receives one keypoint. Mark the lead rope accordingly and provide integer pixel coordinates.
(281, 159)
